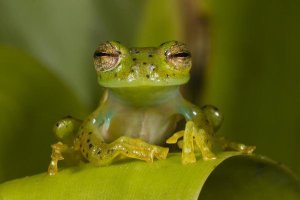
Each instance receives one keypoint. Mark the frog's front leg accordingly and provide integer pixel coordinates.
(200, 130)
(103, 153)
(192, 134)
(65, 130)
(56, 155)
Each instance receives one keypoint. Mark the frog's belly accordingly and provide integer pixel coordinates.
(152, 126)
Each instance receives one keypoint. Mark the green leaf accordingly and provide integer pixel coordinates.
(167, 179)
(31, 100)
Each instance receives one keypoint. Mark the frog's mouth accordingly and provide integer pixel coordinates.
(144, 82)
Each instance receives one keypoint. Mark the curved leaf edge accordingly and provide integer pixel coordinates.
(166, 179)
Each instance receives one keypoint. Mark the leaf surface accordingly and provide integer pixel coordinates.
(167, 179)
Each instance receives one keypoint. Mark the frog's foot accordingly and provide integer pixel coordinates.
(132, 148)
(148, 151)
(56, 155)
(175, 137)
(202, 140)
(160, 152)
(228, 145)
(190, 135)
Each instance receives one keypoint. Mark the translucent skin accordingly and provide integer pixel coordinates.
(140, 110)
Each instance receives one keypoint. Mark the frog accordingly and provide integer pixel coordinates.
(140, 110)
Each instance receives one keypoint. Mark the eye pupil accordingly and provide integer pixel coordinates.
(99, 54)
(102, 54)
(181, 54)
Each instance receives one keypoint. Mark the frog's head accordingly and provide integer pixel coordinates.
(118, 66)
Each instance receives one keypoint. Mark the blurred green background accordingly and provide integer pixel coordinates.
(245, 55)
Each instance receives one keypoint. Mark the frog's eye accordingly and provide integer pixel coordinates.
(178, 56)
(106, 57)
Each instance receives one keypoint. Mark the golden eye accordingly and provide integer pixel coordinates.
(106, 57)
(179, 56)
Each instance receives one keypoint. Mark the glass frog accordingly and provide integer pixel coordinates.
(140, 110)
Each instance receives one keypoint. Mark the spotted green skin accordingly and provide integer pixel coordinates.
(140, 67)
(143, 101)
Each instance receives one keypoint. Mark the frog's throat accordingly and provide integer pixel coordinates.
(145, 95)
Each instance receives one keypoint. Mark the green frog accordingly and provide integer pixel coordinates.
(140, 110)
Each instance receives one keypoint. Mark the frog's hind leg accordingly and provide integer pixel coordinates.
(66, 129)
(129, 147)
